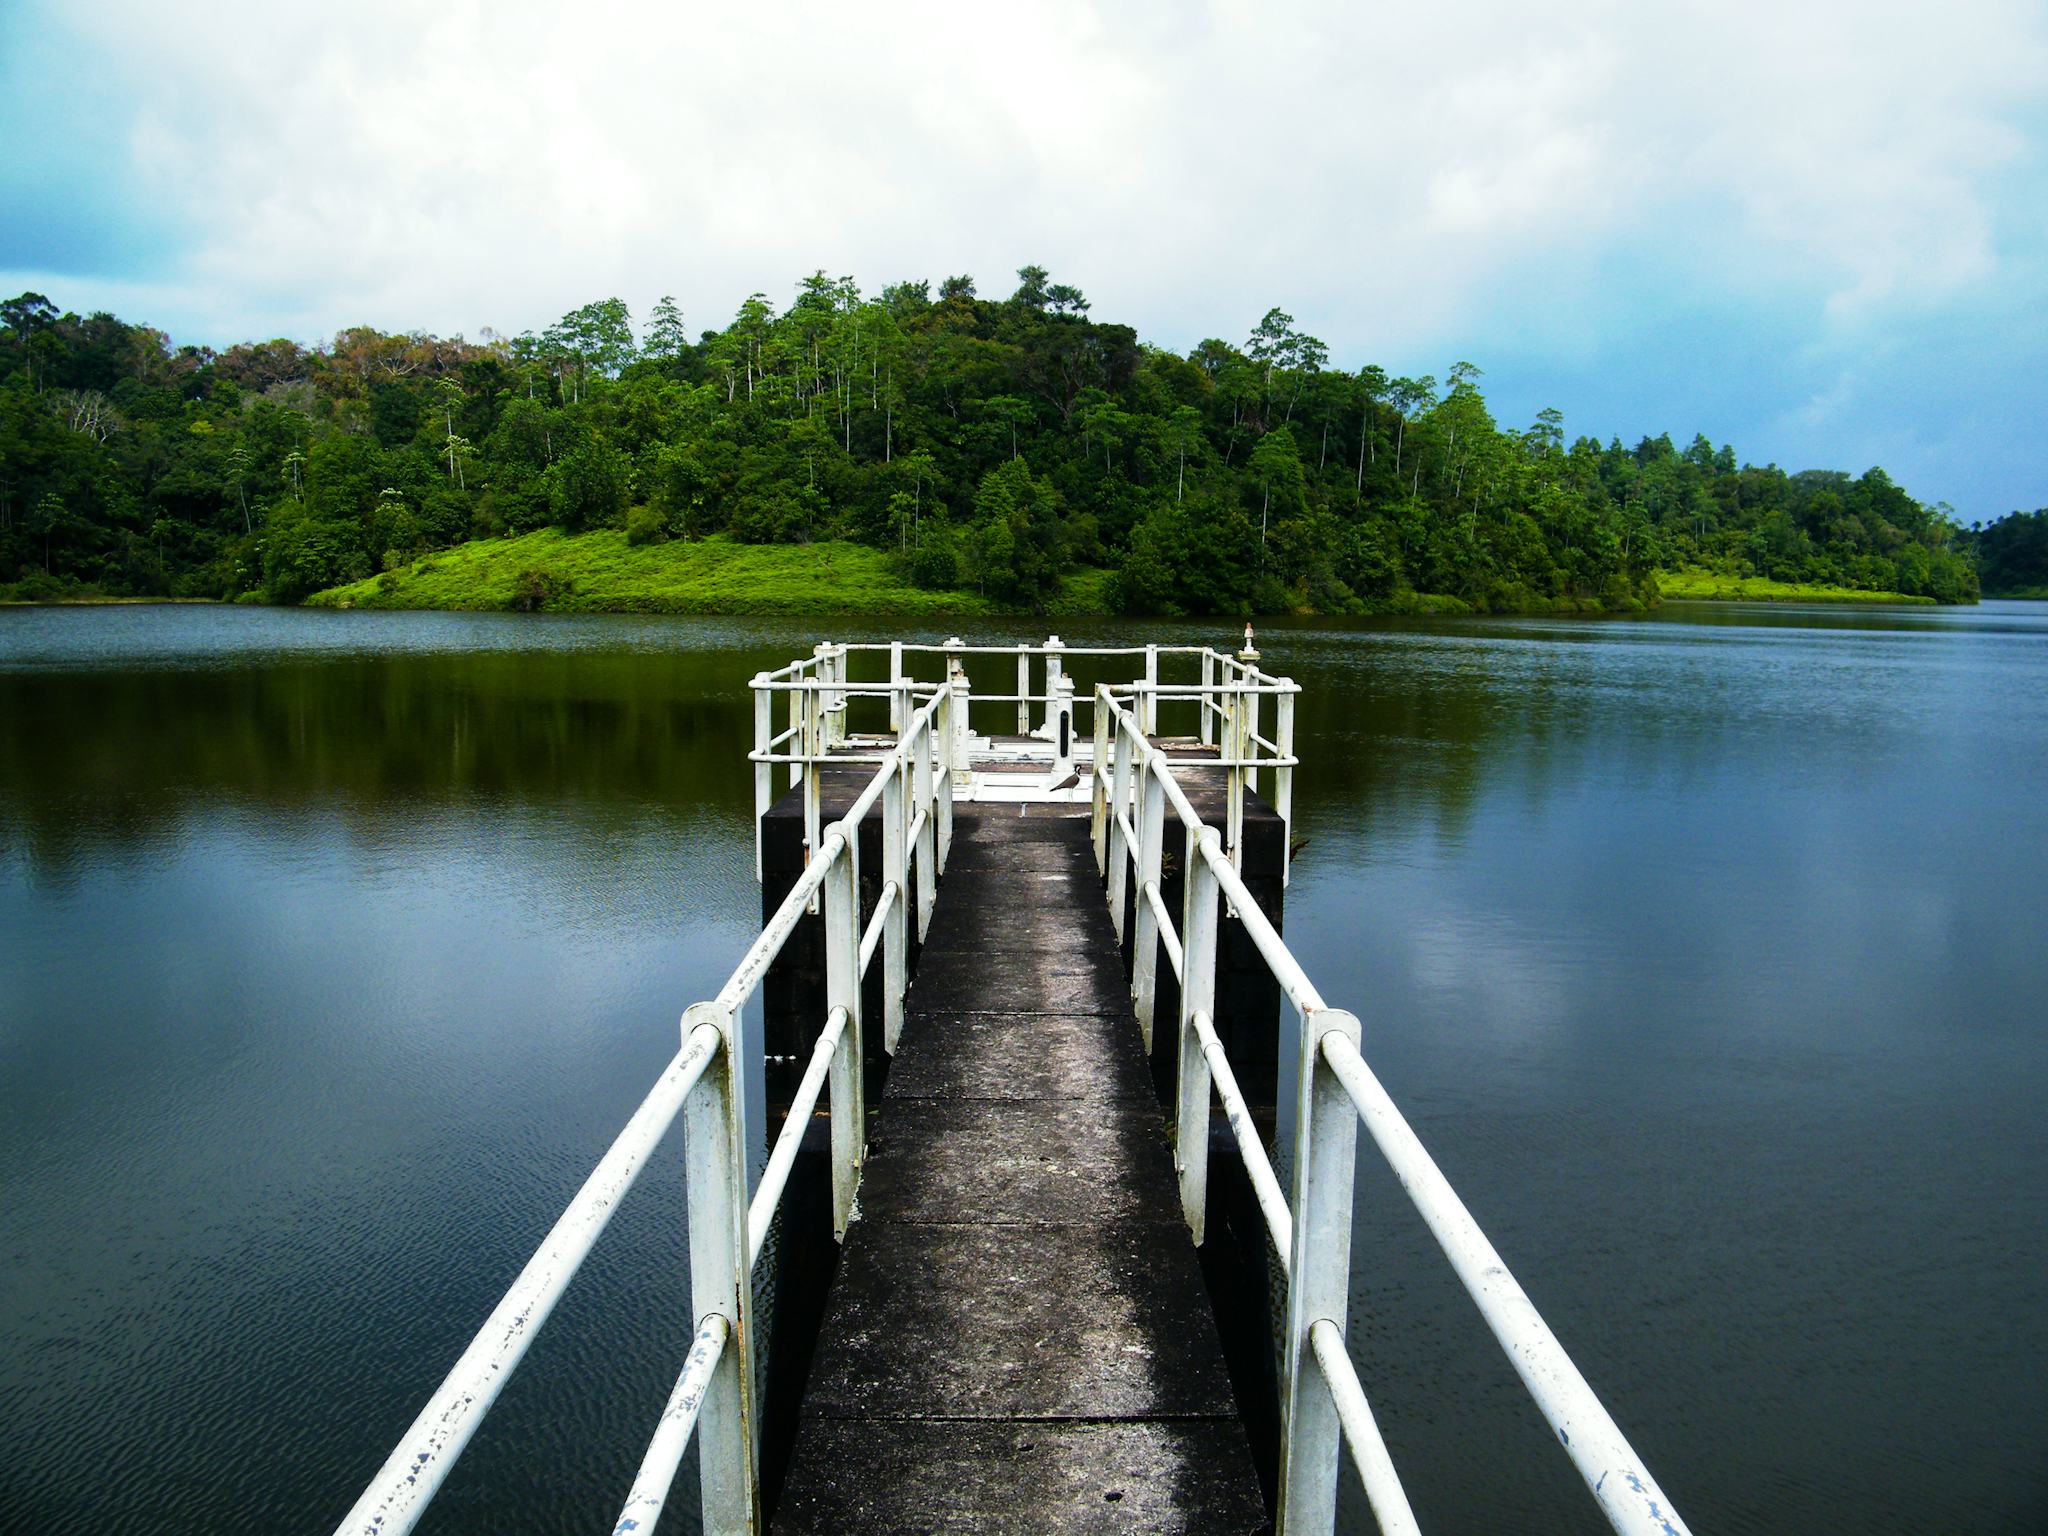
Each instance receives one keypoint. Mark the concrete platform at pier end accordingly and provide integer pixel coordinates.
(1018, 1339)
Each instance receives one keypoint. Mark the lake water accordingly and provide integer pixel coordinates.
(1704, 951)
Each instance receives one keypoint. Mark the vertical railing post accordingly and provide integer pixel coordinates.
(961, 717)
(1233, 776)
(1052, 687)
(943, 745)
(842, 670)
(715, 1171)
(1119, 850)
(1248, 737)
(1283, 775)
(1060, 717)
(1098, 826)
(842, 990)
(827, 674)
(924, 751)
(896, 874)
(1023, 691)
(1226, 705)
(813, 745)
(1319, 1277)
(797, 716)
(764, 771)
(1206, 711)
(1197, 995)
(897, 697)
(1148, 702)
(1145, 940)
(1251, 737)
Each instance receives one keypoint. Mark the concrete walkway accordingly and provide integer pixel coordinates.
(1018, 1339)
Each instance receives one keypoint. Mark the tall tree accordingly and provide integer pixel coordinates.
(667, 340)
(1276, 462)
(1032, 290)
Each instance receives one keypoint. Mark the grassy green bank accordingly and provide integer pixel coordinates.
(1693, 584)
(601, 573)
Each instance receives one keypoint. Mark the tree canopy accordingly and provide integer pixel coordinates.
(2012, 555)
(986, 443)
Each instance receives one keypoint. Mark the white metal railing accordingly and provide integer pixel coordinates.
(919, 766)
(1325, 1407)
(713, 1395)
(1222, 706)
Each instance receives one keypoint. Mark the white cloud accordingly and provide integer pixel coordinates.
(1377, 171)
(1867, 140)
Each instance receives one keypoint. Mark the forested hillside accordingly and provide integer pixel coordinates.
(2012, 555)
(983, 444)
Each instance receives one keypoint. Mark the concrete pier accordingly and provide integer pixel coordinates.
(1019, 1335)
(1018, 1338)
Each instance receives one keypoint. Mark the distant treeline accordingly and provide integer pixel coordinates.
(989, 444)
(2012, 555)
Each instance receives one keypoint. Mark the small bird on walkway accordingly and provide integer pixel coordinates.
(1067, 783)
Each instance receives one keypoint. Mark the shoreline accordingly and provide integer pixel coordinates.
(1693, 585)
(603, 572)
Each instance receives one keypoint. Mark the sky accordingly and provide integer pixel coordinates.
(1817, 230)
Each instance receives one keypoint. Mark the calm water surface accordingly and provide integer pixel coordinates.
(1705, 952)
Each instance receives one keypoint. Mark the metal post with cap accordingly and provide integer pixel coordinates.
(1250, 657)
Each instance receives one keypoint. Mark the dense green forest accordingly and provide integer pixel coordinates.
(2012, 555)
(988, 445)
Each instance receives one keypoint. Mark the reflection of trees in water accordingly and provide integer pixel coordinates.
(1399, 730)
(107, 760)
(1401, 727)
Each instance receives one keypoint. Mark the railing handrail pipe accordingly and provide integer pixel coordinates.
(1627, 1494)
(1325, 1406)
(712, 1399)
(1135, 789)
(410, 1477)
